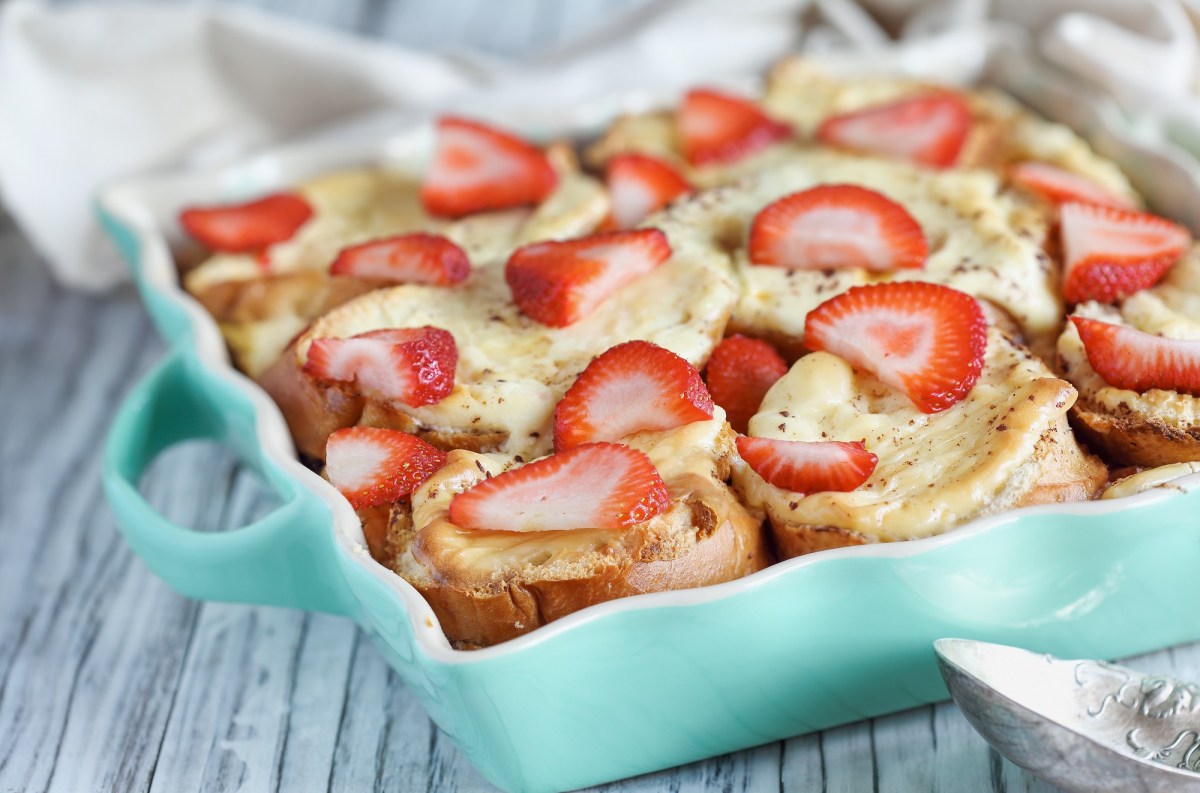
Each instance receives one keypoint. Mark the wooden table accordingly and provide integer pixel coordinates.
(109, 681)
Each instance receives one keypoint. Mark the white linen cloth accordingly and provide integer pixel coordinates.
(92, 92)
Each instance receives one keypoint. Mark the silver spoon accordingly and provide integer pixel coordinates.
(1082, 725)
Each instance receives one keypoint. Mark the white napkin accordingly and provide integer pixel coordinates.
(89, 93)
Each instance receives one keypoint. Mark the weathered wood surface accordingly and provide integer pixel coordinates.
(110, 682)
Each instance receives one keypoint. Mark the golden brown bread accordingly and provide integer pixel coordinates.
(1064, 472)
(487, 587)
(1130, 438)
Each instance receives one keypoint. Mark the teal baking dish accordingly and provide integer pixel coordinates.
(656, 680)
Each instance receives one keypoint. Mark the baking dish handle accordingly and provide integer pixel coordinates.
(287, 558)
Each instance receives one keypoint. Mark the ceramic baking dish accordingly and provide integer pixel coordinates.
(656, 680)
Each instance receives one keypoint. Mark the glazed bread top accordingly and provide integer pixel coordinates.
(361, 204)
(1170, 309)
(512, 370)
(693, 461)
(935, 470)
(982, 240)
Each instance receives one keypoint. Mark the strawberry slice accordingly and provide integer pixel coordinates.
(559, 283)
(249, 227)
(639, 185)
(837, 225)
(632, 387)
(1137, 361)
(927, 340)
(929, 130)
(477, 168)
(1060, 186)
(410, 365)
(405, 259)
(373, 466)
(1111, 253)
(594, 486)
(808, 467)
(716, 127)
(739, 373)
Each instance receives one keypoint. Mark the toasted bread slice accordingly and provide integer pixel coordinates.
(511, 370)
(1139, 481)
(982, 240)
(1151, 428)
(261, 303)
(1006, 445)
(490, 586)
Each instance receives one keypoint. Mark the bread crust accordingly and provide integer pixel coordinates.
(1134, 439)
(479, 617)
(1065, 472)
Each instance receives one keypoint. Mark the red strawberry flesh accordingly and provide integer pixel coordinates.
(1061, 186)
(373, 466)
(560, 283)
(924, 339)
(929, 130)
(633, 387)
(716, 127)
(639, 185)
(406, 258)
(808, 467)
(410, 365)
(249, 227)
(835, 226)
(1111, 253)
(1137, 361)
(477, 168)
(594, 486)
(739, 374)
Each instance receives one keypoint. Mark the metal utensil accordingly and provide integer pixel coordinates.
(1082, 725)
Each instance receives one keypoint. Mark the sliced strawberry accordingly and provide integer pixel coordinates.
(559, 283)
(740, 373)
(632, 387)
(478, 168)
(639, 185)
(249, 227)
(715, 127)
(929, 130)
(594, 486)
(808, 467)
(372, 466)
(405, 259)
(837, 225)
(1061, 186)
(927, 340)
(410, 365)
(1111, 253)
(1138, 361)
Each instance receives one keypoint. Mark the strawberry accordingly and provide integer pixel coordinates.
(739, 373)
(715, 127)
(249, 227)
(1131, 359)
(373, 466)
(808, 467)
(593, 486)
(477, 168)
(639, 185)
(1111, 253)
(559, 283)
(410, 365)
(836, 225)
(929, 130)
(1060, 186)
(406, 258)
(927, 340)
(632, 387)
